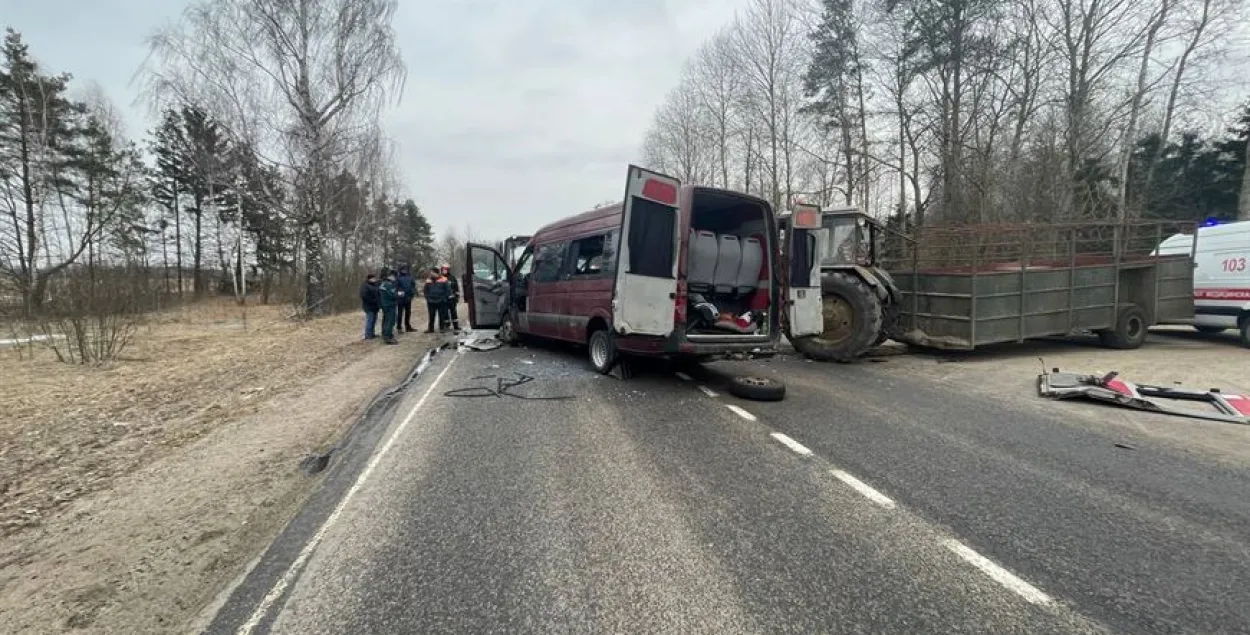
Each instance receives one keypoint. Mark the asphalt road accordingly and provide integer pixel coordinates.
(574, 503)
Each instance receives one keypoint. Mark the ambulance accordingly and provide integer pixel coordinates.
(1221, 276)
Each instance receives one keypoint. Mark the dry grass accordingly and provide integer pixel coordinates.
(68, 430)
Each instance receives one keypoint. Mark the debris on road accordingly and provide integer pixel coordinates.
(480, 341)
(1111, 389)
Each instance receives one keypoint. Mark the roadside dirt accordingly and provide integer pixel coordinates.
(133, 493)
(1172, 356)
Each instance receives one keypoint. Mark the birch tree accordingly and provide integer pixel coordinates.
(301, 80)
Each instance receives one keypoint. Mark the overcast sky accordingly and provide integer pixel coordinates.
(515, 112)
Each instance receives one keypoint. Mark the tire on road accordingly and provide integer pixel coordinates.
(757, 388)
(602, 351)
(1245, 331)
(1209, 330)
(1131, 327)
(852, 320)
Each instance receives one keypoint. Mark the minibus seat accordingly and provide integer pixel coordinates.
(701, 260)
(749, 269)
(728, 262)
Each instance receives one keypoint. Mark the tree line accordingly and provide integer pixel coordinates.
(267, 168)
(968, 111)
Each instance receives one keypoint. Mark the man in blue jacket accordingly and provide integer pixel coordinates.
(408, 285)
(389, 295)
(369, 303)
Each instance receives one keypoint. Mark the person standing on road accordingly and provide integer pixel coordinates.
(408, 286)
(453, 300)
(369, 303)
(389, 295)
(437, 292)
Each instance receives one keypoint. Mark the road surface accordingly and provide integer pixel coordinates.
(868, 501)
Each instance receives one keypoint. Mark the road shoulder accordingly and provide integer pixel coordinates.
(150, 551)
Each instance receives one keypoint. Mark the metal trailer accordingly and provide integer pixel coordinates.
(965, 287)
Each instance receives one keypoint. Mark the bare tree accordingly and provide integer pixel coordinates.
(717, 81)
(301, 80)
(681, 138)
(1094, 39)
(1155, 24)
(769, 40)
(1209, 21)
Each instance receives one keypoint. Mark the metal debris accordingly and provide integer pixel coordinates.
(1109, 388)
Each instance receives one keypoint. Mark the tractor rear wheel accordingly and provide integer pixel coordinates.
(852, 320)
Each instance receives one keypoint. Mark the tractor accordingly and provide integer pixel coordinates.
(858, 299)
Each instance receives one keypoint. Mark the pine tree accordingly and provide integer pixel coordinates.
(40, 134)
(413, 239)
(167, 180)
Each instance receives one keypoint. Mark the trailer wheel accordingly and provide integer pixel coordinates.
(1245, 332)
(852, 320)
(1130, 329)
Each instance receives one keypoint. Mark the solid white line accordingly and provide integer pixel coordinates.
(683, 376)
(864, 488)
(292, 571)
(1000, 575)
(799, 448)
(740, 412)
(711, 393)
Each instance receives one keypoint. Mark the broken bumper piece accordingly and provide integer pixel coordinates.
(1111, 389)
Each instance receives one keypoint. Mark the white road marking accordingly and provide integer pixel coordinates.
(292, 571)
(1000, 575)
(740, 412)
(798, 448)
(683, 376)
(711, 393)
(864, 488)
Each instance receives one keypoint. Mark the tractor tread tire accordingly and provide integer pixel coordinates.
(869, 319)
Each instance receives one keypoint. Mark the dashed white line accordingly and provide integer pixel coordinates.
(798, 448)
(1000, 575)
(740, 412)
(711, 393)
(683, 376)
(864, 488)
(292, 571)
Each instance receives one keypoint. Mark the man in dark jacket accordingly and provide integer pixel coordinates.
(389, 295)
(369, 303)
(408, 285)
(453, 299)
(437, 291)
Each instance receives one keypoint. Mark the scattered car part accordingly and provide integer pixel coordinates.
(1111, 389)
(757, 388)
(480, 341)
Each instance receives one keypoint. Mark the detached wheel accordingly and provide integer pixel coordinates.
(757, 388)
(1209, 330)
(1129, 332)
(602, 351)
(852, 320)
(1245, 332)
